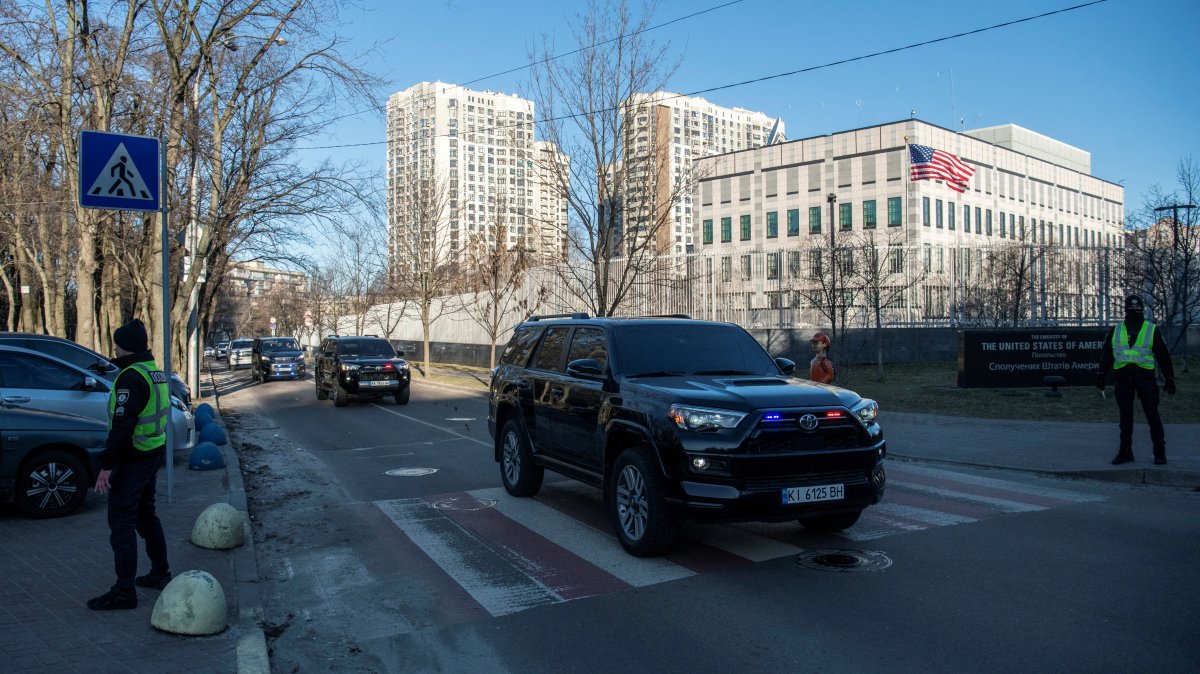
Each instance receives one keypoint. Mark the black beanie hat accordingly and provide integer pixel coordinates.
(1133, 302)
(132, 336)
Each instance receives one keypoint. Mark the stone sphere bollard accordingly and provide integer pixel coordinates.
(205, 408)
(202, 418)
(219, 527)
(205, 456)
(213, 433)
(193, 603)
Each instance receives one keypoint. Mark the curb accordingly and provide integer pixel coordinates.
(252, 653)
(1162, 477)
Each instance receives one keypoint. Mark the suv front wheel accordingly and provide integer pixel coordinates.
(322, 394)
(635, 497)
(521, 476)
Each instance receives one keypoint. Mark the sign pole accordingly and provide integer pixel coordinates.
(166, 309)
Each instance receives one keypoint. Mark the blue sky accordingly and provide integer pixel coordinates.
(1118, 79)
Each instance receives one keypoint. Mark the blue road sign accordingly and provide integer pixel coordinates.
(118, 171)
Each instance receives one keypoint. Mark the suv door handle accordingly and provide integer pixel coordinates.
(13, 400)
(557, 391)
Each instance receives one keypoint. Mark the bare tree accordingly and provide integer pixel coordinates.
(494, 273)
(424, 265)
(885, 278)
(620, 195)
(1163, 255)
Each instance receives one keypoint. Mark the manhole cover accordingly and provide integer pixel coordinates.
(459, 503)
(844, 560)
(411, 472)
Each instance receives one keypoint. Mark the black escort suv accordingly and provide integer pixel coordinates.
(276, 358)
(678, 419)
(363, 367)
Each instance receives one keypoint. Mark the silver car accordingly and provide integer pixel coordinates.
(240, 353)
(33, 380)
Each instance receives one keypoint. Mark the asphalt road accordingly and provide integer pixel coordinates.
(386, 543)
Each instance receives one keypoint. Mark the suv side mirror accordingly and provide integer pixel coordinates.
(399, 353)
(587, 368)
(90, 384)
(788, 366)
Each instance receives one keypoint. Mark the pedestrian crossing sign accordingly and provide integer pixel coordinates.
(118, 171)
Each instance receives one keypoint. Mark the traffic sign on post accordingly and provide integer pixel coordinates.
(118, 171)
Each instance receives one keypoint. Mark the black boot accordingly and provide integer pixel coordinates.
(114, 599)
(153, 580)
(1160, 458)
(1122, 457)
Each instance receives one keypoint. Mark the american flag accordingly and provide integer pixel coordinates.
(930, 164)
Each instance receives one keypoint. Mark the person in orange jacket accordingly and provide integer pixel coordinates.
(821, 368)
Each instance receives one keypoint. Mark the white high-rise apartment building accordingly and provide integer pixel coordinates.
(479, 146)
(683, 129)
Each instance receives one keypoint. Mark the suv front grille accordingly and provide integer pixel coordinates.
(376, 376)
(848, 477)
(769, 442)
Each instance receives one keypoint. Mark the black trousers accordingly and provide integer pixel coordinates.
(1146, 389)
(131, 514)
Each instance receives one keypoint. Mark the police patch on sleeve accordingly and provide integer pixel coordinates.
(119, 412)
(122, 395)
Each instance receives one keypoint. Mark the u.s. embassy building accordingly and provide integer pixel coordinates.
(787, 228)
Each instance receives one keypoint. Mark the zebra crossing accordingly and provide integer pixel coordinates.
(512, 554)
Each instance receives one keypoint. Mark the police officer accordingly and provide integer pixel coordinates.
(139, 409)
(1134, 346)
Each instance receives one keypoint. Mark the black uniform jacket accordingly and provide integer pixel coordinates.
(1162, 355)
(132, 393)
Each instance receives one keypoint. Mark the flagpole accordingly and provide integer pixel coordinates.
(907, 241)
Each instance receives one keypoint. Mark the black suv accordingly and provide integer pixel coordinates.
(679, 419)
(276, 358)
(366, 367)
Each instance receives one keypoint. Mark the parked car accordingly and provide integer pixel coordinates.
(83, 357)
(210, 352)
(239, 353)
(276, 358)
(678, 419)
(33, 380)
(48, 460)
(222, 349)
(363, 367)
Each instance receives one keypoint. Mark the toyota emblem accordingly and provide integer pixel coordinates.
(808, 422)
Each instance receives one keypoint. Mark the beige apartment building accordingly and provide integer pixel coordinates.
(479, 146)
(666, 134)
(767, 219)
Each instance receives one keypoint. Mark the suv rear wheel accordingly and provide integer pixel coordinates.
(51, 483)
(635, 498)
(521, 476)
(830, 523)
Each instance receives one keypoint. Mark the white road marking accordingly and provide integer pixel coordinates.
(992, 483)
(426, 423)
(598, 548)
(743, 543)
(1002, 504)
(922, 514)
(495, 583)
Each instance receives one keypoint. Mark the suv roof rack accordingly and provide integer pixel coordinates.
(658, 316)
(579, 315)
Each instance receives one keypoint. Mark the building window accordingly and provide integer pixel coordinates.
(966, 219)
(1003, 228)
(939, 213)
(726, 270)
(897, 257)
(846, 216)
(793, 223)
(925, 211)
(708, 231)
(869, 214)
(989, 222)
(772, 225)
(726, 230)
(893, 211)
(814, 263)
(745, 223)
(793, 263)
(773, 266)
(950, 206)
(978, 220)
(814, 220)
(745, 267)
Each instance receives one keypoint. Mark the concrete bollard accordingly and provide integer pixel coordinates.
(205, 456)
(214, 434)
(193, 603)
(219, 527)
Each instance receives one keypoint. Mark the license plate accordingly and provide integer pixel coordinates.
(384, 382)
(824, 492)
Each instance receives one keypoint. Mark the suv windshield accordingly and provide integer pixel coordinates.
(242, 344)
(280, 344)
(690, 349)
(369, 348)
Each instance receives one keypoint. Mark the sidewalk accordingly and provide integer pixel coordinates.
(1069, 449)
(50, 568)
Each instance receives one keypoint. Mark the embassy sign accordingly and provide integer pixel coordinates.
(1023, 357)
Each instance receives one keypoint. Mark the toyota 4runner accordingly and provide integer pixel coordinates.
(363, 367)
(677, 419)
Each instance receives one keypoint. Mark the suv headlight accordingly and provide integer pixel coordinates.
(866, 410)
(264, 358)
(703, 418)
